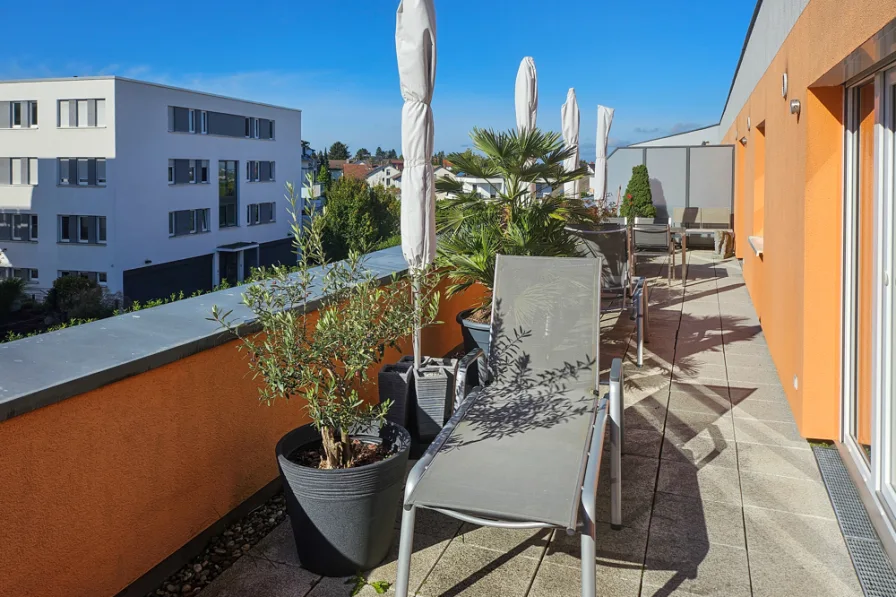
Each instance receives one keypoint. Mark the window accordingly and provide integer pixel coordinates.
(17, 232)
(252, 171)
(82, 172)
(82, 113)
(191, 171)
(100, 171)
(272, 171)
(65, 229)
(63, 171)
(101, 277)
(203, 171)
(16, 166)
(227, 193)
(83, 229)
(259, 171)
(17, 115)
(272, 129)
(100, 112)
(192, 127)
(203, 122)
(32, 108)
(33, 223)
(202, 218)
(32, 171)
(260, 213)
(170, 171)
(64, 114)
(29, 275)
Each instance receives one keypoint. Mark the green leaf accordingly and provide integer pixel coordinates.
(380, 586)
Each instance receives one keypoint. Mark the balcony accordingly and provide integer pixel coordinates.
(133, 445)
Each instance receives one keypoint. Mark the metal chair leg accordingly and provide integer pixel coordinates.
(405, 549)
(589, 561)
(617, 427)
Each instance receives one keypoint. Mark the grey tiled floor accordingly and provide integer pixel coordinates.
(721, 495)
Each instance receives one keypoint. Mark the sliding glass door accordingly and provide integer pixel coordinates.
(869, 350)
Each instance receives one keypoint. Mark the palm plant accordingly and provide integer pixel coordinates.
(475, 230)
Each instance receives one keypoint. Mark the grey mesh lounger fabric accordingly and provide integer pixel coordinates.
(518, 452)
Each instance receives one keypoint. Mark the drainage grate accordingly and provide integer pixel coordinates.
(871, 563)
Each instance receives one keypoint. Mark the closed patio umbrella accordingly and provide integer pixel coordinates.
(526, 99)
(604, 121)
(569, 117)
(415, 46)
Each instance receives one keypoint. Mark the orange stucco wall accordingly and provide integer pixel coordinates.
(97, 489)
(795, 285)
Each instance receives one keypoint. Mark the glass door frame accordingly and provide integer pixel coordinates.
(877, 475)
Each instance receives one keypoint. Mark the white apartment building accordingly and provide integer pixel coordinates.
(146, 189)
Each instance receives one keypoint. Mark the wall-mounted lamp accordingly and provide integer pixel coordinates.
(784, 86)
(147, 261)
(748, 123)
(795, 107)
(743, 141)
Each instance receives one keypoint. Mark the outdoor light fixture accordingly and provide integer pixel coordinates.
(795, 107)
(784, 86)
(743, 141)
(748, 123)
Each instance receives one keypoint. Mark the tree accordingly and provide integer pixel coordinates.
(305, 145)
(474, 230)
(357, 217)
(391, 155)
(638, 201)
(380, 154)
(323, 176)
(339, 151)
(362, 154)
(438, 158)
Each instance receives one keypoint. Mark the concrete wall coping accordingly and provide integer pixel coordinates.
(48, 368)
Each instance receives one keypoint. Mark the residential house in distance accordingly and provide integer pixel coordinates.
(386, 175)
(357, 171)
(335, 168)
(145, 188)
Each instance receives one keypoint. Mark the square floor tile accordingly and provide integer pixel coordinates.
(764, 411)
(256, 576)
(622, 549)
(778, 460)
(472, 571)
(561, 581)
(679, 563)
(771, 433)
(705, 521)
(786, 494)
(682, 426)
(525, 543)
(713, 483)
(427, 551)
(701, 451)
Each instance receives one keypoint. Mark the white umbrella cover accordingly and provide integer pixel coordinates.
(569, 118)
(604, 121)
(526, 96)
(526, 100)
(415, 46)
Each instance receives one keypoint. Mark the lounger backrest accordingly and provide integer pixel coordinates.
(715, 217)
(545, 322)
(651, 236)
(618, 221)
(610, 244)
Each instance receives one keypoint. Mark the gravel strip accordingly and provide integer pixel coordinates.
(224, 550)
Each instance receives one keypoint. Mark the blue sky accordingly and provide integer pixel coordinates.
(664, 66)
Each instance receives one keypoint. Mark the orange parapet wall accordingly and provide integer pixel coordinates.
(98, 489)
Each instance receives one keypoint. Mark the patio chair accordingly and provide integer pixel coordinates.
(611, 244)
(653, 238)
(524, 451)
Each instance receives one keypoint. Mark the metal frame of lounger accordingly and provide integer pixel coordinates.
(608, 408)
(633, 289)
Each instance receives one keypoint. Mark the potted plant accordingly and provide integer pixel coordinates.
(315, 332)
(513, 222)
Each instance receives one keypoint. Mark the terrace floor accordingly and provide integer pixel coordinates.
(721, 495)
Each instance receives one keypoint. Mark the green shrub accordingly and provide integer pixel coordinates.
(638, 201)
(11, 290)
(357, 217)
(76, 297)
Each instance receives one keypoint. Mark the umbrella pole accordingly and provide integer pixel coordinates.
(418, 356)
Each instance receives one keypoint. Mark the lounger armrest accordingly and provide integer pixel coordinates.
(477, 355)
(436, 445)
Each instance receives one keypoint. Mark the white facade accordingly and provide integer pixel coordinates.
(137, 146)
(708, 135)
(387, 175)
(490, 187)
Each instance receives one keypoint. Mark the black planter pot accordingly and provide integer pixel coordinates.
(343, 520)
(475, 335)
